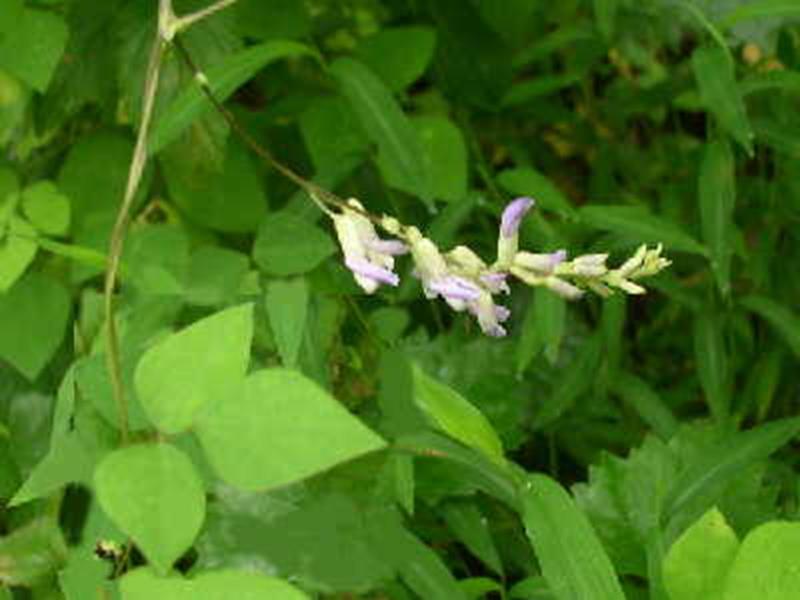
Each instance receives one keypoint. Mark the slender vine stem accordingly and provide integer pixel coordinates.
(117, 243)
(168, 25)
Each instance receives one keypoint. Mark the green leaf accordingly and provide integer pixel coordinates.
(759, 9)
(543, 328)
(783, 320)
(224, 79)
(277, 251)
(144, 584)
(333, 136)
(215, 275)
(766, 564)
(573, 382)
(605, 15)
(398, 55)
(157, 260)
(571, 557)
(465, 520)
(43, 36)
(713, 70)
(191, 370)
(276, 19)
(32, 553)
(230, 199)
(46, 208)
(647, 404)
(17, 251)
(36, 310)
(66, 462)
(712, 364)
(445, 156)
(717, 191)
(287, 306)
(154, 494)
(456, 416)
(399, 148)
(697, 563)
(699, 486)
(420, 568)
(525, 181)
(271, 420)
(639, 224)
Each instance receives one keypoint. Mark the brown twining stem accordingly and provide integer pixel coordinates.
(316, 192)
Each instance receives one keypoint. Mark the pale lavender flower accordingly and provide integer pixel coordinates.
(462, 280)
(508, 240)
(540, 264)
(370, 258)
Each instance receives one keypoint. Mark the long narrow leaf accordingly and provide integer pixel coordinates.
(399, 147)
(572, 558)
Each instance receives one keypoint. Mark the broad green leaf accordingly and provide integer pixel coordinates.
(156, 258)
(472, 64)
(35, 310)
(445, 156)
(287, 306)
(192, 369)
(333, 136)
(271, 419)
(711, 357)
(223, 79)
(717, 191)
(525, 181)
(456, 416)
(781, 318)
(275, 19)
(399, 148)
(32, 553)
(144, 584)
(420, 568)
(46, 208)
(476, 588)
(699, 486)
(32, 48)
(697, 563)
(66, 462)
(571, 556)
(286, 245)
(713, 70)
(639, 224)
(647, 404)
(543, 328)
(465, 520)
(93, 177)
(300, 531)
(230, 200)
(758, 9)
(153, 493)
(17, 251)
(398, 55)
(215, 275)
(766, 565)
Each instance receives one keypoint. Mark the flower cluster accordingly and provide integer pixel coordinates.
(467, 283)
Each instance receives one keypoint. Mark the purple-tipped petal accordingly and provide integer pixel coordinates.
(371, 271)
(512, 215)
(496, 282)
(502, 313)
(390, 247)
(558, 257)
(455, 288)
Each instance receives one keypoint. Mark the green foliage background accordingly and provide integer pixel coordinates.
(292, 437)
